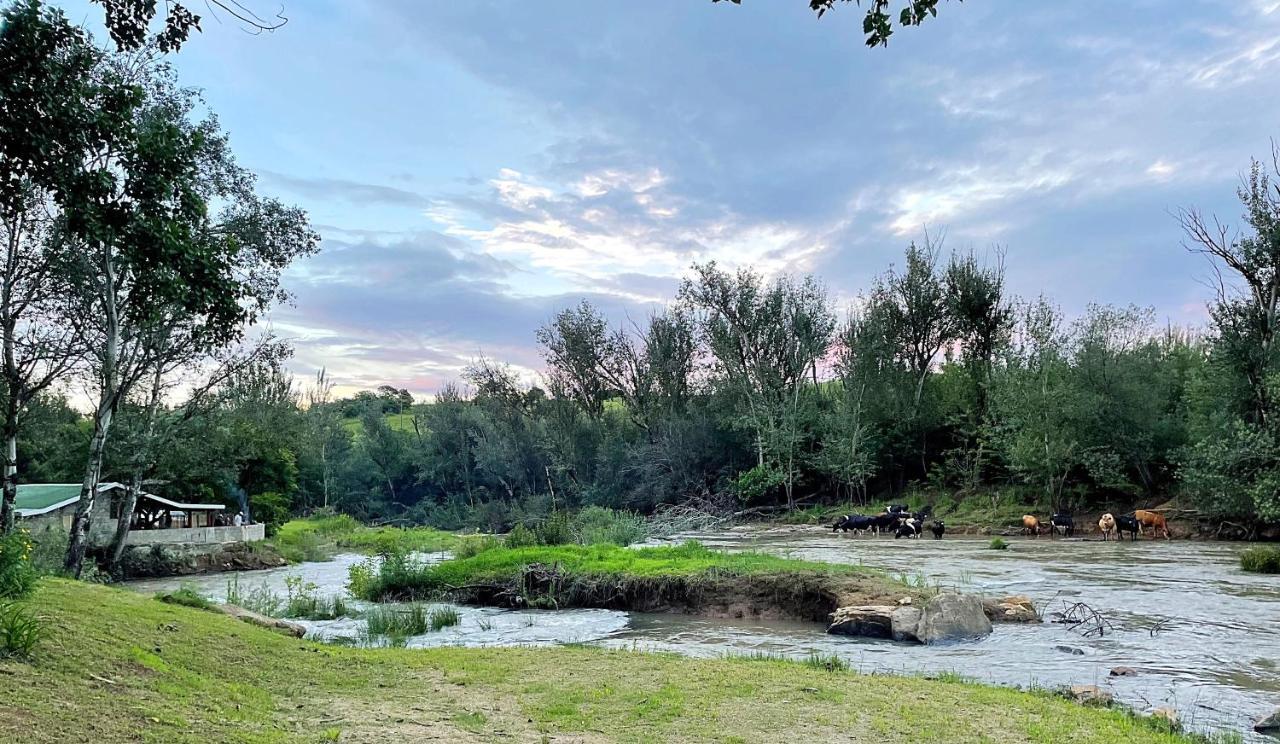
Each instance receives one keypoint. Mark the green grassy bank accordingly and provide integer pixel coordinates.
(683, 578)
(118, 666)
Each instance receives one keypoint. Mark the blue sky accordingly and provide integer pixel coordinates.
(475, 166)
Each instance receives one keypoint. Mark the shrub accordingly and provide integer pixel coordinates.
(20, 630)
(999, 543)
(556, 529)
(301, 601)
(473, 545)
(1261, 560)
(50, 551)
(595, 525)
(17, 575)
(520, 537)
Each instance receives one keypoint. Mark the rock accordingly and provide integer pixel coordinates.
(904, 601)
(271, 623)
(1269, 724)
(1090, 695)
(1015, 609)
(952, 617)
(905, 624)
(870, 621)
(1069, 650)
(1168, 714)
(1123, 671)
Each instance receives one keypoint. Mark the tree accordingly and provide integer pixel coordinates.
(766, 341)
(129, 22)
(158, 273)
(877, 24)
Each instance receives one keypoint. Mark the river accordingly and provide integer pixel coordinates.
(1203, 636)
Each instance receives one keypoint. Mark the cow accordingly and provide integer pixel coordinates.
(885, 522)
(1030, 524)
(897, 508)
(1154, 520)
(937, 528)
(1062, 522)
(856, 522)
(1128, 524)
(908, 528)
(1108, 525)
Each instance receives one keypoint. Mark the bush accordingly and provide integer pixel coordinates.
(474, 545)
(301, 601)
(1261, 560)
(520, 537)
(20, 631)
(258, 599)
(50, 551)
(17, 575)
(999, 543)
(556, 529)
(595, 525)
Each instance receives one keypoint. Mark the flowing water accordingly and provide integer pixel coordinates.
(1203, 636)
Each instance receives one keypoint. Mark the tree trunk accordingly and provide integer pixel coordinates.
(7, 514)
(77, 542)
(124, 522)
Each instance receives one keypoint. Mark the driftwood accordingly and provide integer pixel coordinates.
(1079, 615)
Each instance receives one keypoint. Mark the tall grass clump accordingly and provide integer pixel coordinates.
(998, 543)
(17, 575)
(398, 622)
(302, 601)
(1261, 559)
(259, 599)
(20, 630)
(188, 596)
(596, 525)
(443, 617)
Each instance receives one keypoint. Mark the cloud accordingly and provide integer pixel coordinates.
(342, 190)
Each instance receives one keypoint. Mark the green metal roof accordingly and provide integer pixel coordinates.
(41, 498)
(36, 496)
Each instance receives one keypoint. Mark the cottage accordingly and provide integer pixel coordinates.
(156, 520)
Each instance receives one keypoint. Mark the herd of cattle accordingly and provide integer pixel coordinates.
(902, 522)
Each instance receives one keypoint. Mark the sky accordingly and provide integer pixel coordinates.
(473, 167)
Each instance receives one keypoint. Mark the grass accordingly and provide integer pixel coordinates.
(187, 596)
(998, 543)
(118, 667)
(400, 576)
(320, 538)
(397, 622)
(1261, 559)
(443, 617)
(20, 630)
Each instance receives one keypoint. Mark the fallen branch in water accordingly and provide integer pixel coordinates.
(1080, 615)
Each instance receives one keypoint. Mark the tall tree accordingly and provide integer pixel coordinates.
(157, 258)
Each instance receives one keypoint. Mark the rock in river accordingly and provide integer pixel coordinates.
(1015, 609)
(946, 617)
(870, 621)
(952, 617)
(1269, 724)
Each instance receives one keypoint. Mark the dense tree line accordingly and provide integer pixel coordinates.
(754, 392)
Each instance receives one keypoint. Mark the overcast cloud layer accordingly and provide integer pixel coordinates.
(475, 166)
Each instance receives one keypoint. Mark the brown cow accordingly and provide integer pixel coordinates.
(1154, 520)
(1030, 524)
(1108, 525)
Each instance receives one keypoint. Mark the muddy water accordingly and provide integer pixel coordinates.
(1203, 636)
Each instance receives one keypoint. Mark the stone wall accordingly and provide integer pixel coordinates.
(197, 535)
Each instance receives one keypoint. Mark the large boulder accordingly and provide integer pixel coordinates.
(905, 624)
(870, 621)
(1090, 695)
(952, 617)
(1269, 724)
(1015, 609)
